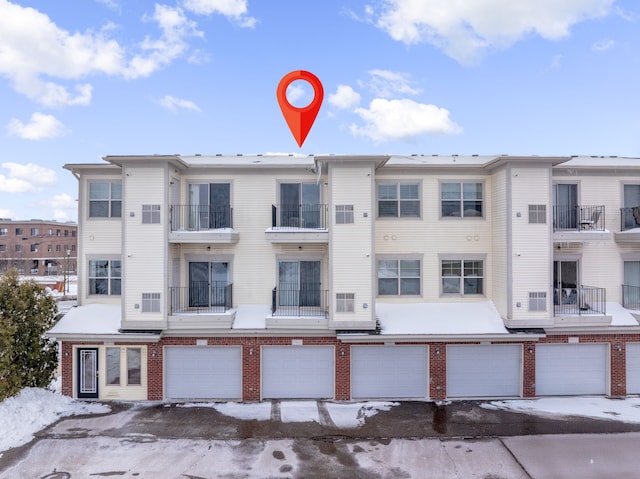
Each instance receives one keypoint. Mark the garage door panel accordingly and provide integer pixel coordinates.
(484, 370)
(298, 372)
(633, 368)
(203, 372)
(571, 369)
(389, 372)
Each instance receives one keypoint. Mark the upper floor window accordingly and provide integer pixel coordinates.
(18, 248)
(150, 302)
(150, 214)
(105, 199)
(49, 232)
(462, 276)
(537, 214)
(4, 231)
(461, 198)
(399, 200)
(398, 277)
(19, 232)
(344, 214)
(105, 277)
(73, 233)
(345, 302)
(35, 231)
(66, 232)
(3, 248)
(34, 247)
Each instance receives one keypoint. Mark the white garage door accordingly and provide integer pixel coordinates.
(479, 370)
(389, 372)
(571, 369)
(203, 372)
(297, 372)
(633, 368)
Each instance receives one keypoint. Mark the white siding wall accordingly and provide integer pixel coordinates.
(500, 282)
(531, 243)
(144, 261)
(351, 245)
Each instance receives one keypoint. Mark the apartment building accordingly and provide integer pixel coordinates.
(38, 247)
(254, 277)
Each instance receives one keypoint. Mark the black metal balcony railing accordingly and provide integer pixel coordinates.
(629, 218)
(201, 297)
(578, 218)
(630, 296)
(585, 300)
(200, 217)
(299, 302)
(299, 216)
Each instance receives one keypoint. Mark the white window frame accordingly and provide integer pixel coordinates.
(537, 301)
(344, 214)
(112, 211)
(110, 278)
(124, 362)
(398, 198)
(399, 259)
(151, 302)
(538, 214)
(461, 199)
(150, 214)
(462, 259)
(345, 302)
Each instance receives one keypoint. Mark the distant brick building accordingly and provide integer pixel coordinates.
(38, 247)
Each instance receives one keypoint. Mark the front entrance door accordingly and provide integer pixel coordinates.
(88, 373)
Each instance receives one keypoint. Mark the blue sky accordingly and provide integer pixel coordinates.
(83, 79)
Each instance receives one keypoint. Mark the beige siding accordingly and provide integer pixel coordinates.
(351, 245)
(531, 243)
(499, 235)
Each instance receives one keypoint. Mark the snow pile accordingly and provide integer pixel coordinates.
(350, 415)
(244, 411)
(624, 410)
(33, 409)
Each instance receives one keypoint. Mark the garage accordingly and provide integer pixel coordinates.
(398, 372)
(571, 369)
(633, 368)
(484, 370)
(297, 372)
(208, 372)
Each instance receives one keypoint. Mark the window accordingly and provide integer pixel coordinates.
(345, 302)
(58, 248)
(134, 362)
(462, 276)
(462, 199)
(18, 248)
(300, 206)
(58, 232)
(150, 302)
(35, 231)
(538, 301)
(105, 200)
(49, 248)
(150, 214)
(49, 232)
(4, 231)
(73, 247)
(3, 248)
(344, 214)
(34, 247)
(537, 214)
(18, 232)
(73, 233)
(66, 232)
(105, 277)
(113, 366)
(399, 200)
(209, 206)
(398, 277)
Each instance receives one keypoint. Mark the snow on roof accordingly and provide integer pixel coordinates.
(251, 316)
(621, 316)
(282, 159)
(92, 319)
(439, 160)
(440, 318)
(602, 162)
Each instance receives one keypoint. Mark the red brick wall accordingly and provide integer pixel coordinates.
(437, 371)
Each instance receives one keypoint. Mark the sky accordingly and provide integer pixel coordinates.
(82, 80)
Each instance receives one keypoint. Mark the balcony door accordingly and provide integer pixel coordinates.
(207, 283)
(565, 206)
(565, 281)
(209, 206)
(631, 201)
(299, 283)
(300, 205)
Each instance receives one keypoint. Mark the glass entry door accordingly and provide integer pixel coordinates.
(207, 283)
(88, 373)
(300, 205)
(565, 281)
(565, 206)
(209, 206)
(299, 283)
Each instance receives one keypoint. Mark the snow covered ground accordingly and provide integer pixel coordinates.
(34, 409)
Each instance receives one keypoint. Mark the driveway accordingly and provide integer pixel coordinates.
(410, 440)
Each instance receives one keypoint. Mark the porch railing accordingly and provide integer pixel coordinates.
(200, 217)
(629, 218)
(299, 302)
(630, 296)
(579, 218)
(586, 300)
(201, 297)
(299, 216)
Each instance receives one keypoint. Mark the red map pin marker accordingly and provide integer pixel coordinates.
(300, 120)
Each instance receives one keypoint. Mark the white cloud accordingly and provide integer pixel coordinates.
(174, 104)
(110, 4)
(387, 120)
(233, 9)
(603, 45)
(35, 48)
(345, 98)
(387, 84)
(6, 213)
(27, 178)
(295, 93)
(556, 61)
(465, 30)
(39, 127)
(64, 207)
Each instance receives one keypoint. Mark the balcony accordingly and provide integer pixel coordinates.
(629, 225)
(298, 224)
(631, 297)
(202, 224)
(579, 223)
(299, 308)
(201, 305)
(583, 306)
